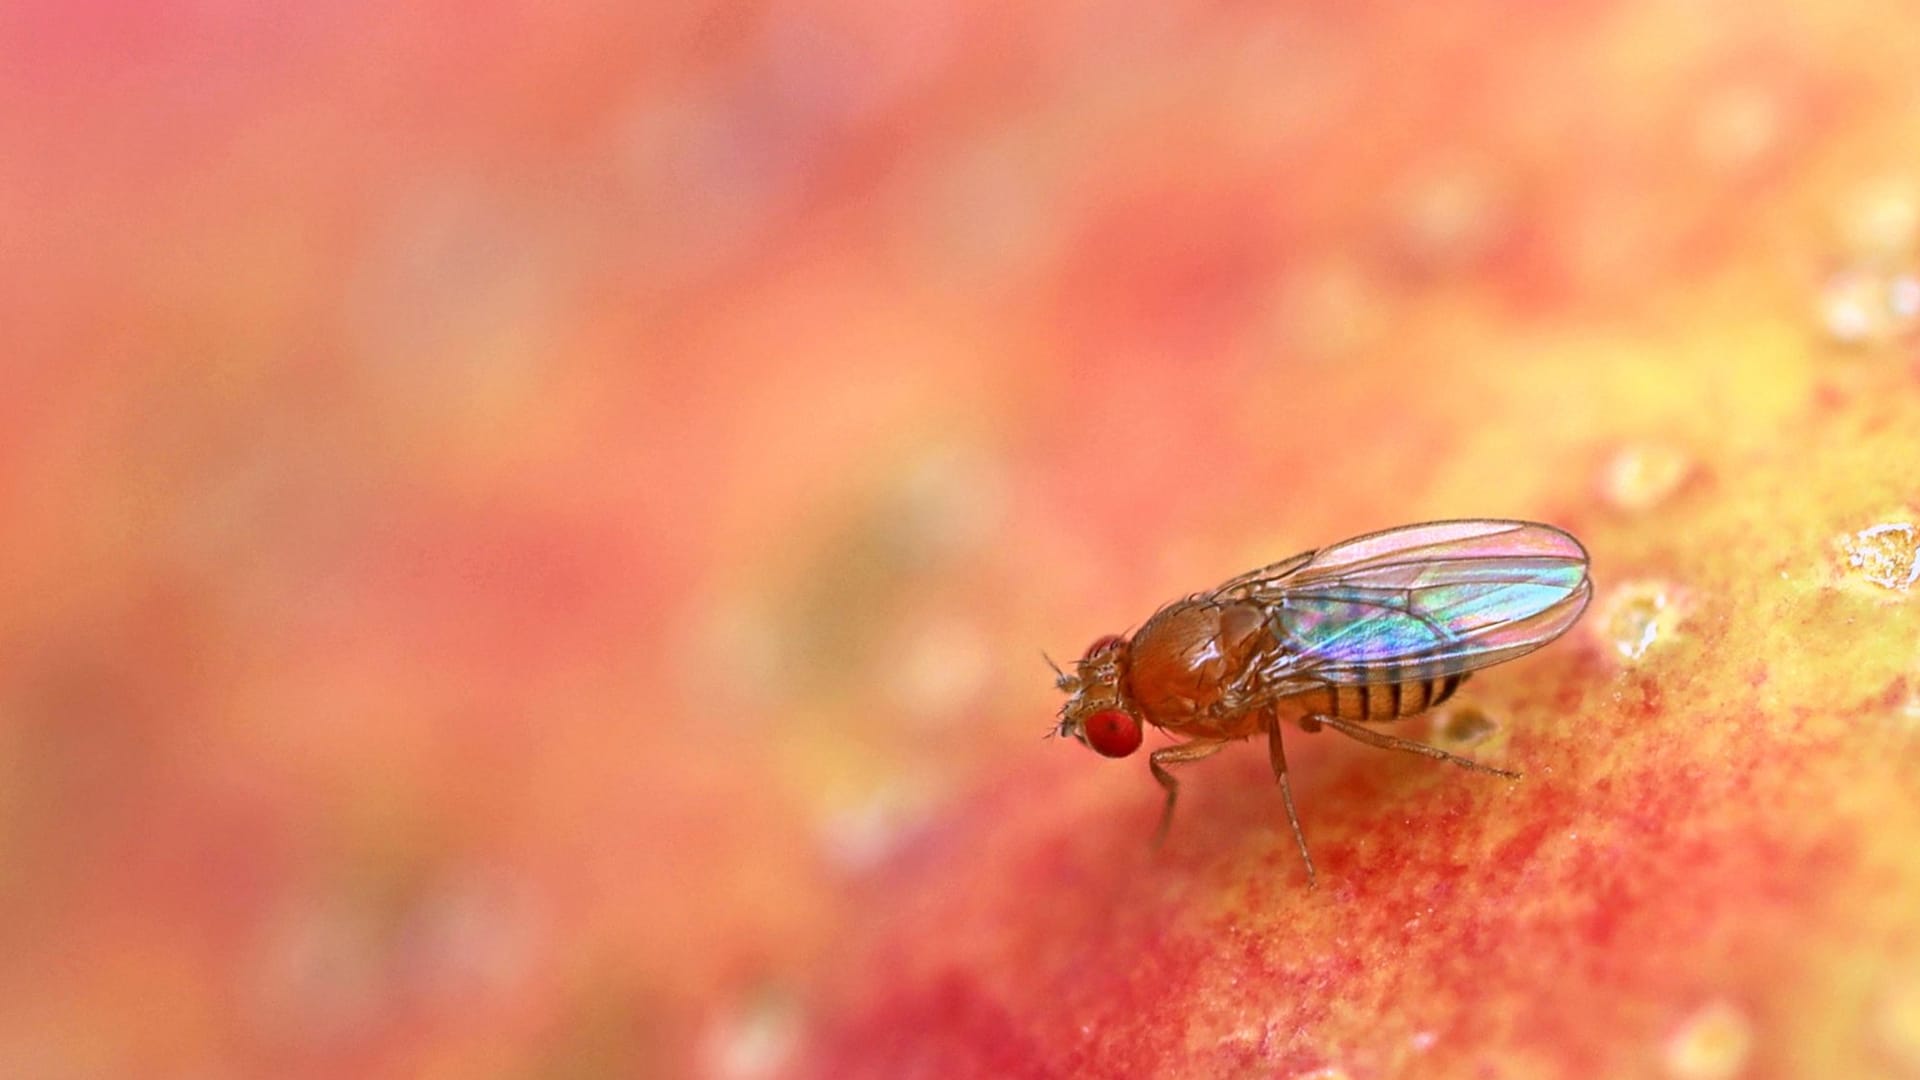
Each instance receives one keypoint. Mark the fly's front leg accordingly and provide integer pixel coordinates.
(1391, 742)
(1174, 755)
(1278, 754)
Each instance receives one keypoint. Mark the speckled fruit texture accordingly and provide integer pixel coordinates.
(531, 534)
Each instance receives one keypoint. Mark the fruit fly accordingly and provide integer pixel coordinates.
(1373, 629)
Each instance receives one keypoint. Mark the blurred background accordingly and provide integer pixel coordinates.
(526, 520)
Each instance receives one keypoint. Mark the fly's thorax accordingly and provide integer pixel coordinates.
(1193, 655)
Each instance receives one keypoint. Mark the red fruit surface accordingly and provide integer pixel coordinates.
(532, 531)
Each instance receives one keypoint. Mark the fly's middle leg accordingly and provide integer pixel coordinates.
(1277, 753)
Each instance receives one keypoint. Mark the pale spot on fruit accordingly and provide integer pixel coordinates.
(1450, 215)
(755, 1040)
(1887, 555)
(323, 976)
(737, 654)
(1637, 616)
(1712, 1044)
(939, 670)
(1869, 305)
(1245, 1042)
(1737, 125)
(859, 837)
(1896, 1022)
(1881, 220)
(1422, 1041)
(1331, 309)
(1642, 475)
(1325, 1072)
(951, 502)
(476, 939)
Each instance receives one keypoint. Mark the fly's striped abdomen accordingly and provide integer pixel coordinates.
(1383, 700)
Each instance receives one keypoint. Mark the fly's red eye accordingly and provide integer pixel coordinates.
(1101, 645)
(1113, 733)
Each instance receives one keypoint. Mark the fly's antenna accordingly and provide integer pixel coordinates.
(1061, 679)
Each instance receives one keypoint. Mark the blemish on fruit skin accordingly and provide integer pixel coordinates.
(1896, 696)
(1467, 726)
(1641, 476)
(1887, 555)
(1711, 1044)
(1905, 693)
(1637, 616)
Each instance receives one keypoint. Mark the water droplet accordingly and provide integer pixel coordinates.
(1887, 555)
(1636, 616)
(1467, 726)
(1642, 475)
(1870, 305)
(1711, 1044)
(1896, 1022)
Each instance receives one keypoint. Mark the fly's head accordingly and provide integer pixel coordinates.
(1097, 711)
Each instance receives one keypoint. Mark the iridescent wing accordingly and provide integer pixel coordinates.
(1421, 601)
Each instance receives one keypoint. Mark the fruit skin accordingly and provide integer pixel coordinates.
(529, 560)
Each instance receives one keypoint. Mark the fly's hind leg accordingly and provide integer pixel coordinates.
(1174, 755)
(1278, 754)
(1394, 742)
